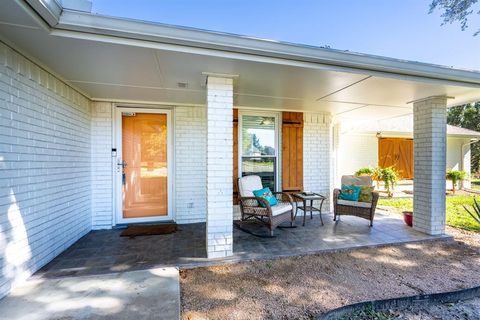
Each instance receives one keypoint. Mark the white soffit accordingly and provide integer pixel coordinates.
(120, 72)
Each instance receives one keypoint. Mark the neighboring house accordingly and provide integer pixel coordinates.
(390, 143)
(107, 121)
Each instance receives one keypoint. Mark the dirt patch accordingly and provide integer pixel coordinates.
(301, 287)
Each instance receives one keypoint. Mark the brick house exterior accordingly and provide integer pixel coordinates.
(60, 170)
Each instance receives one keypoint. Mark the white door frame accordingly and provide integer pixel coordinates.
(119, 219)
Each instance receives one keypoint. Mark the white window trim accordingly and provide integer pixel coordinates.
(117, 176)
(277, 116)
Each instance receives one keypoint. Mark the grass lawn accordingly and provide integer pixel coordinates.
(475, 183)
(456, 214)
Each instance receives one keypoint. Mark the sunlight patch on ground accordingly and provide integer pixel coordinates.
(102, 305)
(16, 250)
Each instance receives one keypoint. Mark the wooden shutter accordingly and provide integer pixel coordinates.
(292, 151)
(235, 156)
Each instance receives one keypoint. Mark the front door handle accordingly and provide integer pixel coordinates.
(123, 164)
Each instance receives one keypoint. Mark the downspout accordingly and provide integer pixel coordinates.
(472, 141)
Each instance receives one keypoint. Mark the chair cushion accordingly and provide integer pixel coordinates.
(357, 181)
(281, 207)
(350, 192)
(366, 194)
(266, 194)
(247, 184)
(354, 203)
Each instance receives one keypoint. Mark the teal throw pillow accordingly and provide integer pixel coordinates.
(350, 193)
(267, 194)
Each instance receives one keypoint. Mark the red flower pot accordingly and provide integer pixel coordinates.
(408, 217)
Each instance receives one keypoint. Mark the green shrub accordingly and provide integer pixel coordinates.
(365, 171)
(389, 176)
(455, 176)
(476, 211)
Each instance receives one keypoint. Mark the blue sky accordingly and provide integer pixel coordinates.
(394, 28)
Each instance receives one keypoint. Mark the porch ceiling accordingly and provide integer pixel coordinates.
(150, 72)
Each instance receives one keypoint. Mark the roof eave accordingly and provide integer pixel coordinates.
(156, 32)
(61, 19)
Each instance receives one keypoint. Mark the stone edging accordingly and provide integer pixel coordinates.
(398, 303)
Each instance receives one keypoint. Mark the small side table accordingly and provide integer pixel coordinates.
(305, 198)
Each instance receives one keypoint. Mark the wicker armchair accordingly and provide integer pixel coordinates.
(364, 210)
(271, 216)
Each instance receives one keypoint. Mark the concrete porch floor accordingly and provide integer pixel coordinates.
(105, 251)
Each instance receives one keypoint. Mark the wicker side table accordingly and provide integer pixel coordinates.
(304, 198)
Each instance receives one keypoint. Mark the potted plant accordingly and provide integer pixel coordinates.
(408, 217)
(390, 176)
(455, 176)
(374, 173)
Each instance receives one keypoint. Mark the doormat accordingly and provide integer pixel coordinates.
(149, 230)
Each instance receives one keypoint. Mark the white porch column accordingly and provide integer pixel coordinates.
(430, 141)
(219, 167)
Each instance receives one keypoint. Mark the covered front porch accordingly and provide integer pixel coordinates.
(67, 90)
(105, 251)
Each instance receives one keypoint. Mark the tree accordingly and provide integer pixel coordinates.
(456, 11)
(467, 116)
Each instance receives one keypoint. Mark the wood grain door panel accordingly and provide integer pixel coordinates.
(396, 153)
(292, 151)
(144, 150)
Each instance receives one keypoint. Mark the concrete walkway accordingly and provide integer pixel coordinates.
(143, 294)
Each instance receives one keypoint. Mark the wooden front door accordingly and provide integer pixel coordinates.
(145, 165)
(397, 153)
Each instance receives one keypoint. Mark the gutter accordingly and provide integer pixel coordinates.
(48, 10)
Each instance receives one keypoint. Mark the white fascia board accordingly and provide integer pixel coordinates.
(196, 38)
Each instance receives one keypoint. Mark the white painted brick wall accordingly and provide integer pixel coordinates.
(429, 137)
(45, 173)
(190, 164)
(219, 167)
(317, 155)
(102, 166)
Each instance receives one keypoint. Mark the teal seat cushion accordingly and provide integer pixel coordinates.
(267, 194)
(351, 193)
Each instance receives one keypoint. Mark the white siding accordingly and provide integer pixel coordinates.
(356, 151)
(458, 157)
(45, 200)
